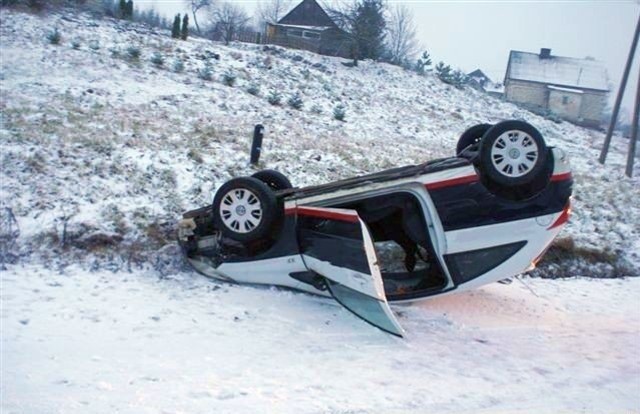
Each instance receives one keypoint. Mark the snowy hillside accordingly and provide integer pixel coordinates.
(102, 152)
(118, 148)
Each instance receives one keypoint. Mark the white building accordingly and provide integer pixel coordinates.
(573, 89)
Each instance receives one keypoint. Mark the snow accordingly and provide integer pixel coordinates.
(100, 146)
(297, 26)
(556, 88)
(134, 343)
(494, 88)
(559, 70)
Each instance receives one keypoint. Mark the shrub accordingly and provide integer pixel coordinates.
(94, 45)
(452, 77)
(274, 98)
(206, 72)
(178, 65)
(75, 44)
(229, 78)
(443, 71)
(157, 59)
(459, 79)
(254, 89)
(133, 52)
(339, 112)
(195, 155)
(316, 109)
(423, 64)
(54, 37)
(295, 101)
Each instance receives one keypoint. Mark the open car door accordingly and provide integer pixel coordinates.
(336, 244)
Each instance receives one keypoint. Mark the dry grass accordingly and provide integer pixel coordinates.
(566, 259)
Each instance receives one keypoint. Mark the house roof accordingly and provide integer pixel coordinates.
(308, 13)
(494, 87)
(570, 90)
(478, 74)
(558, 70)
(297, 26)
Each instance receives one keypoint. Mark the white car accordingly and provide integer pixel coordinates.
(454, 224)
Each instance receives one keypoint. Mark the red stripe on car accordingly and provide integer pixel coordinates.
(561, 177)
(562, 218)
(323, 213)
(451, 182)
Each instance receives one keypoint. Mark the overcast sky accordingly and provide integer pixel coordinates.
(479, 34)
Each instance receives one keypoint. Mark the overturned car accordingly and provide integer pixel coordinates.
(403, 234)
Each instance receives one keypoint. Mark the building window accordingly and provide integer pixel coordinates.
(294, 32)
(565, 100)
(311, 35)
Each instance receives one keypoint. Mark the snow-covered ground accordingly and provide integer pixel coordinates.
(118, 148)
(100, 156)
(103, 342)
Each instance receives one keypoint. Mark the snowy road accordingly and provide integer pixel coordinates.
(132, 343)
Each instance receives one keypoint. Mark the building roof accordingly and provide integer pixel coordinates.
(308, 13)
(297, 26)
(478, 74)
(494, 87)
(570, 90)
(558, 70)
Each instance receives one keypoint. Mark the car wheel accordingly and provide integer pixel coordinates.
(513, 153)
(245, 209)
(274, 179)
(471, 136)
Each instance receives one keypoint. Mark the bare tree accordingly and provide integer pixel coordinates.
(228, 20)
(401, 35)
(271, 11)
(196, 6)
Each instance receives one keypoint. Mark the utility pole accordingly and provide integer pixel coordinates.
(623, 85)
(634, 133)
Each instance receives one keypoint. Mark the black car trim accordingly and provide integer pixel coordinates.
(470, 264)
(472, 205)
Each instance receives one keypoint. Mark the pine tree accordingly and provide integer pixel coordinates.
(122, 8)
(458, 79)
(370, 28)
(364, 24)
(423, 64)
(185, 27)
(295, 101)
(175, 30)
(129, 10)
(443, 72)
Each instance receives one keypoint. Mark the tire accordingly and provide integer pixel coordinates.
(245, 209)
(513, 153)
(471, 136)
(274, 179)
